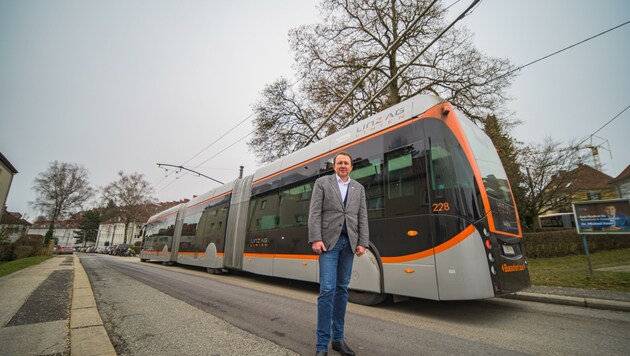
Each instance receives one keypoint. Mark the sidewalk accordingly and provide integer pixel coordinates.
(50, 309)
(34, 307)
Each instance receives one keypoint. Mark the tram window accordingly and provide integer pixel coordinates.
(189, 231)
(262, 213)
(369, 173)
(452, 179)
(211, 227)
(406, 180)
(294, 204)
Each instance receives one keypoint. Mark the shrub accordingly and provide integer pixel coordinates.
(6, 252)
(557, 243)
(23, 251)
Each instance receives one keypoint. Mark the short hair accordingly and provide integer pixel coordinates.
(342, 153)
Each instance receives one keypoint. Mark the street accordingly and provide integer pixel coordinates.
(152, 309)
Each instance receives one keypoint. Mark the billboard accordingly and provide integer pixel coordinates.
(602, 216)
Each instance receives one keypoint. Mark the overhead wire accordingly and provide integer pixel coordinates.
(559, 51)
(467, 12)
(606, 124)
(460, 17)
(366, 74)
(214, 142)
(297, 81)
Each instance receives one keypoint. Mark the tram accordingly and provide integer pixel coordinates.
(443, 223)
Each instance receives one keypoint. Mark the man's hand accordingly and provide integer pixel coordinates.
(361, 250)
(318, 247)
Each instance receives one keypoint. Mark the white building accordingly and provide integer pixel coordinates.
(64, 231)
(112, 232)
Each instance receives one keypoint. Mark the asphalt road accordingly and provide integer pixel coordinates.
(148, 308)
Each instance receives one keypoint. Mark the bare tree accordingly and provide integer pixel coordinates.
(284, 121)
(60, 191)
(547, 171)
(333, 55)
(131, 194)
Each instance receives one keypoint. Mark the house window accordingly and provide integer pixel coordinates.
(593, 196)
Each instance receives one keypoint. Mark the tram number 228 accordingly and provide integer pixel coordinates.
(440, 207)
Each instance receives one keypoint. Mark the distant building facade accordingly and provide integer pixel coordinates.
(13, 225)
(112, 230)
(63, 232)
(585, 183)
(7, 171)
(622, 183)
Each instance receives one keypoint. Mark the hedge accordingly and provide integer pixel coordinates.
(567, 242)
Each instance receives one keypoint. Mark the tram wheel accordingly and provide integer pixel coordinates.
(366, 298)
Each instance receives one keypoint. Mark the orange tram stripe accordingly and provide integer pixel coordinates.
(198, 253)
(398, 259)
(438, 249)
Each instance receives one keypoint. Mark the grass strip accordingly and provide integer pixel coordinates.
(9, 267)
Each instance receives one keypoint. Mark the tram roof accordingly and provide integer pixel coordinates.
(166, 212)
(400, 112)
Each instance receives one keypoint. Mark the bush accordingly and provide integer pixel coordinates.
(566, 242)
(137, 246)
(23, 251)
(6, 252)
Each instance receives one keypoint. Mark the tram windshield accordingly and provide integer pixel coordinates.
(493, 175)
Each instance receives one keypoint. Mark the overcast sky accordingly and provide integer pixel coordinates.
(124, 85)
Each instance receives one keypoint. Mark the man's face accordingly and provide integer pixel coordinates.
(343, 166)
(610, 210)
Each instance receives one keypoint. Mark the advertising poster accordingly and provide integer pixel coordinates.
(602, 216)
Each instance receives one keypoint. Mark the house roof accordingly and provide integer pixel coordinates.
(60, 224)
(625, 174)
(150, 210)
(9, 218)
(585, 177)
(8, 164)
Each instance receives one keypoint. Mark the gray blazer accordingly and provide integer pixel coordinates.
(327, 213)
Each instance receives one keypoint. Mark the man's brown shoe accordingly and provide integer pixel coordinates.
(342, 348)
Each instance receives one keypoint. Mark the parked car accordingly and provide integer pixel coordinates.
(66, 250)
(122, 250)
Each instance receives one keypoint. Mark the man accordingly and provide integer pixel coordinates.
(616, 221)
(337, 230)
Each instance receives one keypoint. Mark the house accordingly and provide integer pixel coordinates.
(7, 171)
(622, 183)
(64, 230)
(13, 226)
(111, 231)
(580, 184)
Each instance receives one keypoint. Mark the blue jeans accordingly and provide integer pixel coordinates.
(335, 270)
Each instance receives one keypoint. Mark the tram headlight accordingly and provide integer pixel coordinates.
(493, 270)
(490, 257)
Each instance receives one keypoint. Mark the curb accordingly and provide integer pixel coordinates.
(88, 336)
(573, 301)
